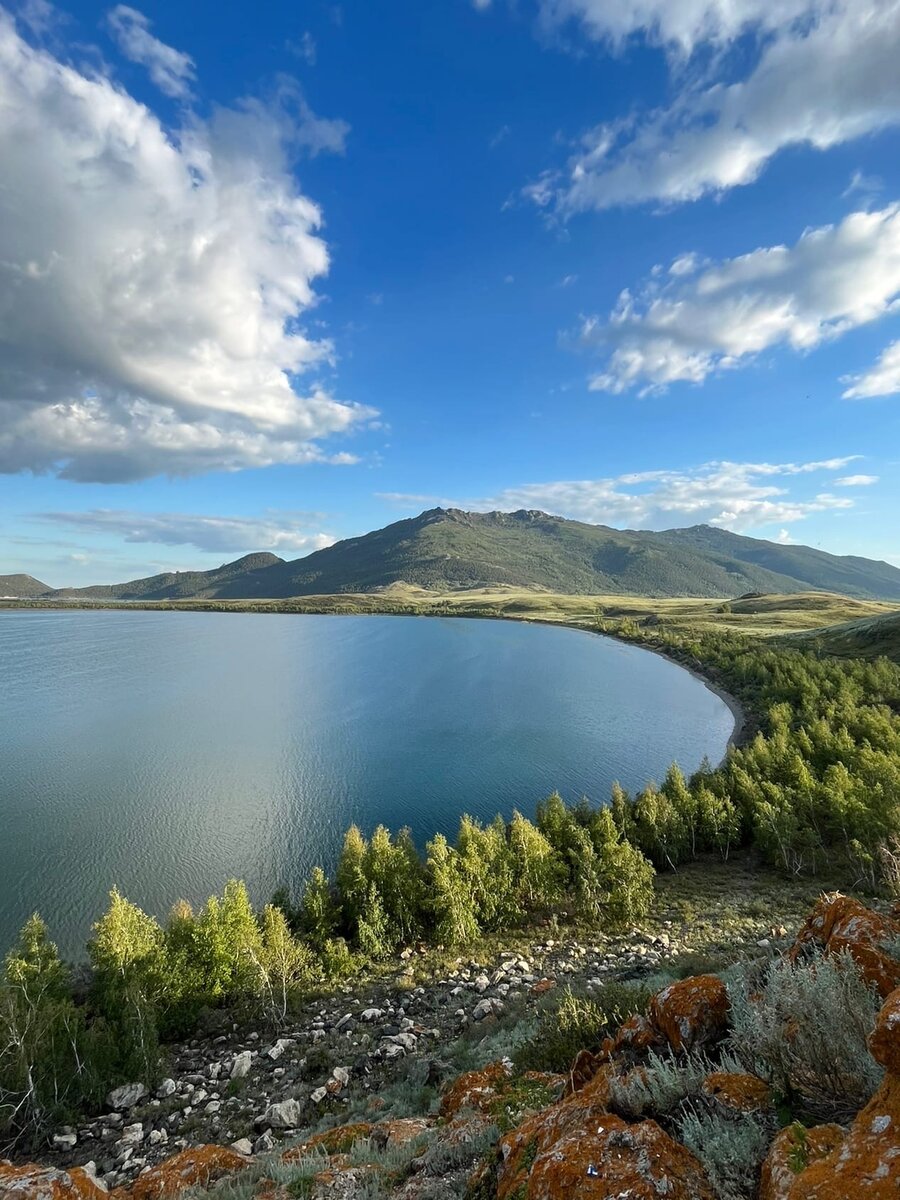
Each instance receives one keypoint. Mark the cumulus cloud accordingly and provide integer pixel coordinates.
(723, 314)
(819, 81)
(152, 282)
(736, 496)
(171, 70)
(881, 380)
(678, 24)
(856, 481)
(279, 533)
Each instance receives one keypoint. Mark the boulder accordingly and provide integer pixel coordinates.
(867, 1162)
(692, 1013)
(241, 1065)
(840, 923)
(608, 1159)
(285, 1114)
(126, 1096)
(476, 1090)
(32, 1182)
(339, 1140)
(884, 1041)
(794, 1149)
(197, 1167)
(737, 1092)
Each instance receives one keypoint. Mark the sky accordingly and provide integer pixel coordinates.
(278, 275)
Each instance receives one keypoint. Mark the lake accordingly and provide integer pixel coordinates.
(166, 752)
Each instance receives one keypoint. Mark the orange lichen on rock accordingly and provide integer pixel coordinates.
(399, 1132)
(32, 1182)
(738, 1091)
(794, 1149)
(196, 1167)
(610, 1159)
(332, 1141)
(840, 923)
(537, 1133)
(476, 1090)
(884, 1041)
(692, 1013)
(867, 1163)
(542, 986)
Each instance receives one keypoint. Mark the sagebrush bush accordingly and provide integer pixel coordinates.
(731, 1148)
(804, 1029)
(578, 1021)
(662, 1083)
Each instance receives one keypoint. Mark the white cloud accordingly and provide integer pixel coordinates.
(681, 25)
(833, 279)
(784, 538)
(152, 282)
(856, 481)
(881, 380)
(817, 82)
(275, 532)
(171, 70)
(304, 48)
(736, 496)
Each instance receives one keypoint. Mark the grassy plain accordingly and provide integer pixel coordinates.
(763, 616)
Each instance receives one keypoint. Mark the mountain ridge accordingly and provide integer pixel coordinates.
(448, 549)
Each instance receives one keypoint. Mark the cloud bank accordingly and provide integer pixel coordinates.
(700, 318)
(275, 532)
(825, 74)
(736, 496)
(152, 282)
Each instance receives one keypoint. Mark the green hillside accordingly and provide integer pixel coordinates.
(870, 637)
(447, 549)
(241, 579)
(22, 587)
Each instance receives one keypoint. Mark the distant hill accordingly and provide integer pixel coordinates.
(238, 580)
(870, 637)
(446, 549)
(21, 587)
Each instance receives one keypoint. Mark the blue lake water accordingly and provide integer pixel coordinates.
(166, 752)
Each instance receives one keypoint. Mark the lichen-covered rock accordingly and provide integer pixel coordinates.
(332, 1141)
(738, 1092)
(197, 1167)
(31, 1182)
(400, 1131)
(583, 1070)
(884, 1041)
(634, 1037)
(519, 1148)
(341, 1181)
(610, 1159)
(692, 1013)
(476, 1090)
(840, 923)
(791, 1152)
(867, 1163)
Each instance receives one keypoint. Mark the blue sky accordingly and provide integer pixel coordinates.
(265, 283)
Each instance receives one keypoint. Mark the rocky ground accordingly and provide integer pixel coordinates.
(254, 1088)
(366, 1093)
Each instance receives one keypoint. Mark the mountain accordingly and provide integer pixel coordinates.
(870, 637)
(238, 580)
(21, 587)
(445, 549)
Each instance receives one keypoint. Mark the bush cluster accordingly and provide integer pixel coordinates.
(150, 981)
(817, 788)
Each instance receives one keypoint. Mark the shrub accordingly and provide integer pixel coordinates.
(660, 1086)
(579, 1022)
(731, 1149)
(805, 1030)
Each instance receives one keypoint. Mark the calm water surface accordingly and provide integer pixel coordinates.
(166, 752)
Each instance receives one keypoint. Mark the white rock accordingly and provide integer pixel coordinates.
(371, 1014)
(213, 1107)
(286, 1114)
(157, 1137)
(132, 1134)
(241, 1065)
(487, 1008)
(66, 1139)
(341, 1075)
(318, 1095)
(275, 1052)
(126, 1096)
(243, 1146)
(167, 1088)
